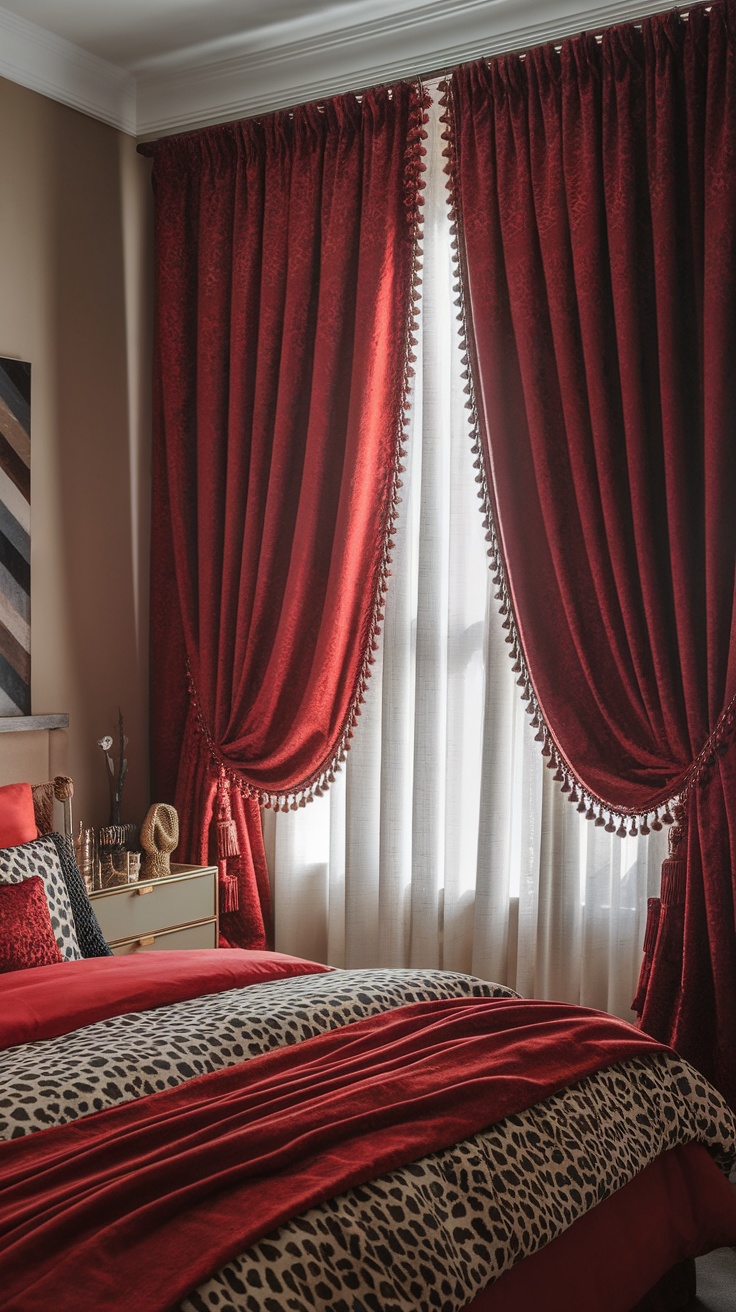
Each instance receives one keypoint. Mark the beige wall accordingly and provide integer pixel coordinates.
(75, 280)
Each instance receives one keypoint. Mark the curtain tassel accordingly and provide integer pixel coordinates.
(229, 900)
(227, 839)
(227, 834)
(227, 846)
(654, 909)
(674, 874)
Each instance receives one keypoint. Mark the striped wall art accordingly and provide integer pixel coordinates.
(15, 537)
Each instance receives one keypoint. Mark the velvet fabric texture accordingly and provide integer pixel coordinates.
(284, 285)
(596, 196)
(158, 1193)
(26, 934)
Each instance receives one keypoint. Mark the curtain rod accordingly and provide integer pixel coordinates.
(146, 147)
(598, 33)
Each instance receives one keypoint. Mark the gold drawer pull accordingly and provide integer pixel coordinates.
(146, 941)
(142, 891)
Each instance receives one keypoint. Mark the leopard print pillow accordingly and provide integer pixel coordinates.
(40, 857)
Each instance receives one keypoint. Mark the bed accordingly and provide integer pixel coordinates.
(251, 1132)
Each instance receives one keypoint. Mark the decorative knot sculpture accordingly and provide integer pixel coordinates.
(159, 837)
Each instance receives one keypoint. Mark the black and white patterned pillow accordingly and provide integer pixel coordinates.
(40, 857)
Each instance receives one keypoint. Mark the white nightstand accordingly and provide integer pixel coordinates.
(177, 911)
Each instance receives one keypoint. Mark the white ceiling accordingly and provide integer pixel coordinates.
(131, 33)
(155, 66)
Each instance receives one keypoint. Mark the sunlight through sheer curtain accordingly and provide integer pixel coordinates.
(444, 841)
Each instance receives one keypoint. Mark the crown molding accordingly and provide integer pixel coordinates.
(38, 59)
(239, 81)
(267, 69)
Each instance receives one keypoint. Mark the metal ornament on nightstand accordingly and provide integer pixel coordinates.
(117, 858)
(85, 850)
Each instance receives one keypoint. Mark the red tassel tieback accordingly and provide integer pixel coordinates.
(229, 900)
(227, 845)
(227, 839)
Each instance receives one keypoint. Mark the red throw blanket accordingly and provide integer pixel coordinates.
(136, 1205)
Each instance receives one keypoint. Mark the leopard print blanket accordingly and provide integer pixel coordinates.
(433, 1233)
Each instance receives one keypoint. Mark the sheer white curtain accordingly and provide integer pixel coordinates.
(445, 841)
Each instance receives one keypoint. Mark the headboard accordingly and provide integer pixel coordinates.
(34, 749)
(60, 789)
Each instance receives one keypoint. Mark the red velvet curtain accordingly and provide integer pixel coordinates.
(285, 289)
(595, 193)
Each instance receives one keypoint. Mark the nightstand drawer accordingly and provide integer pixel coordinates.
(191, 936)
(132, 911)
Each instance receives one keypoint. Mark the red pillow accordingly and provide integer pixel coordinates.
(17, 818)
(26, 936)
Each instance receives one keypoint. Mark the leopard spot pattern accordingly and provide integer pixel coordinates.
(434, 1232)
(140, 1053)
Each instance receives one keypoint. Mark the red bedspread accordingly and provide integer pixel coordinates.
(50, 1000)
(154, 1195)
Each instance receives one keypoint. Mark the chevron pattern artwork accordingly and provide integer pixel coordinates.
(15, 537)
